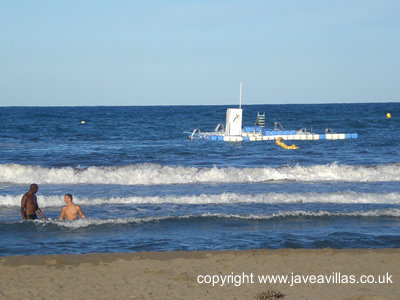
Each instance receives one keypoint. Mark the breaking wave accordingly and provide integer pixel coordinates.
(394, 212)
(152, 174)
(343, 197)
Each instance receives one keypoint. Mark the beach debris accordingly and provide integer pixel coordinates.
(271, 294)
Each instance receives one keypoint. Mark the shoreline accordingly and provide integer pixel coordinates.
(176, 274)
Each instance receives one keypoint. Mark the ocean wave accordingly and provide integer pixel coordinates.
(393, 212)
(343, 197)
(153, 174)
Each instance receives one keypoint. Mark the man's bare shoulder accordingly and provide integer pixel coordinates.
(29, 196)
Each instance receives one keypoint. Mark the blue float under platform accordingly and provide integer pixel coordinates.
(260, 134)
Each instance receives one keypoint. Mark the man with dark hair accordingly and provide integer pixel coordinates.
(71, 210)
(29, 204)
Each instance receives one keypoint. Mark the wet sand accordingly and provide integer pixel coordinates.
(176, 275)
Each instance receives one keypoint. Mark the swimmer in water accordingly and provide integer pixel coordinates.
(71, 210)
(29, 204)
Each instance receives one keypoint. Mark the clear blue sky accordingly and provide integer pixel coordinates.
(65, 53)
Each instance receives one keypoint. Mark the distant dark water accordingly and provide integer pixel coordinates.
(146, 187)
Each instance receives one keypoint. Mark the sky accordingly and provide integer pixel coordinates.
(130, 53)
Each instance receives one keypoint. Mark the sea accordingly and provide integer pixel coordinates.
(145, 186)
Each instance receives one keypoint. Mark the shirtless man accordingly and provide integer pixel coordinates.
(29, 204)
(71, 210)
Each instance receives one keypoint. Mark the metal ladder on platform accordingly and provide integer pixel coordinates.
(260, 120)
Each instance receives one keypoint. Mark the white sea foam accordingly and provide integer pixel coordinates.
(343, 197)
(152, 174)
(392, 212)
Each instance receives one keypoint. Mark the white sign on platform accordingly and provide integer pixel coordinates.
(233, 121)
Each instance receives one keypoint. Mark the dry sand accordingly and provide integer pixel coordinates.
(174, 275)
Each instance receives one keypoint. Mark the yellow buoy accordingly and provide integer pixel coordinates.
(83, 122)
(388, 115)
(283, 145)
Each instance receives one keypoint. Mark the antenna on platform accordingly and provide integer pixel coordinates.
(240, 97)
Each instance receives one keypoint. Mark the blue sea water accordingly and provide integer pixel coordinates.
(144, 186)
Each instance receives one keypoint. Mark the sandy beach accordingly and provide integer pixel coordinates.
(311, 274)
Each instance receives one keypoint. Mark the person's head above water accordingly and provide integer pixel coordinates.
(68, 198)
(34, 188)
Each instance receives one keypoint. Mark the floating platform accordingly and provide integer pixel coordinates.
(253, 134)
(233, 131)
